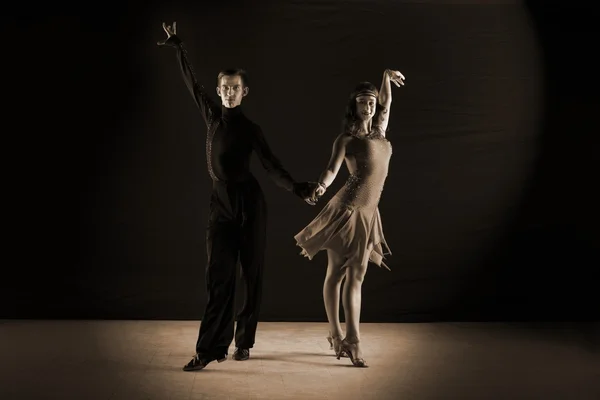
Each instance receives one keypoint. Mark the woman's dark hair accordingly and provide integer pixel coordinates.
(350, 121)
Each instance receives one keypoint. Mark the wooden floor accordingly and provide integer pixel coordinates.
(143, 359)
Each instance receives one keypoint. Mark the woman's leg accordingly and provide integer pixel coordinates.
(352, 299)
(331, 292)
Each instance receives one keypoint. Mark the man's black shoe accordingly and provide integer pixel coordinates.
(201, 360)
(241, 354)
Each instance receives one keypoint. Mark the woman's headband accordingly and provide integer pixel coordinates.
(365, 92)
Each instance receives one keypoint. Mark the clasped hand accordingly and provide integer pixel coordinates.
(306, 191)
(316, 193)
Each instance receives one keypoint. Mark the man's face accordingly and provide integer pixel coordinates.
(231, 90)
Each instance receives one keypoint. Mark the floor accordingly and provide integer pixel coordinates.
(132, 360)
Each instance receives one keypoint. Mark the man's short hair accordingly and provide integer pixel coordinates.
(233, 72)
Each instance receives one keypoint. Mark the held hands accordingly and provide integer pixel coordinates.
(318, 192)
(396, 77)
(305, 190)
(170, 30)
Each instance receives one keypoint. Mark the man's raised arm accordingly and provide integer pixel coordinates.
(206, 105)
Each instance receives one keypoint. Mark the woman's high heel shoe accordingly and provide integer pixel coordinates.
(335, 344)
(348, 348)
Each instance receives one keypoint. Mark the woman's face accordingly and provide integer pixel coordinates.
(365, 107)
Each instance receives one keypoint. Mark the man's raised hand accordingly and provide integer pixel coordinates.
(170, 30)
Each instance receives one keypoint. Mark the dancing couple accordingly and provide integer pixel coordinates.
(348, 227)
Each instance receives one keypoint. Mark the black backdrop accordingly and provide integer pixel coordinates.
(489, 207)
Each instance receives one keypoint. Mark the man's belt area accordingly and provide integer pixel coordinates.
(244, 177)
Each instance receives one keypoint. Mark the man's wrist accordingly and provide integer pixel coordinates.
(173, 41)
(297, 188)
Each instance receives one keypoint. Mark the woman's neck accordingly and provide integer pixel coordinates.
(364, 127)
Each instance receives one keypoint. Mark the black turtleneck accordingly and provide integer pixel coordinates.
(231, 135)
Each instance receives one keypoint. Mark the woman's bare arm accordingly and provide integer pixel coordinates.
(338, 153)
(381, 119)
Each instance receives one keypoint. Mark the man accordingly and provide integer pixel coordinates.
(238, 212)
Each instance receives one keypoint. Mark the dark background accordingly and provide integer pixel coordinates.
(490, 206)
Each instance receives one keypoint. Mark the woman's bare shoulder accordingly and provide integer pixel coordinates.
(344, 137)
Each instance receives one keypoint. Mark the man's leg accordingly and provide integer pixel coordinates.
(216, 329)
(252, 257)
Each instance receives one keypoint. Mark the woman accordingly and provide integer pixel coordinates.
(349, 226)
